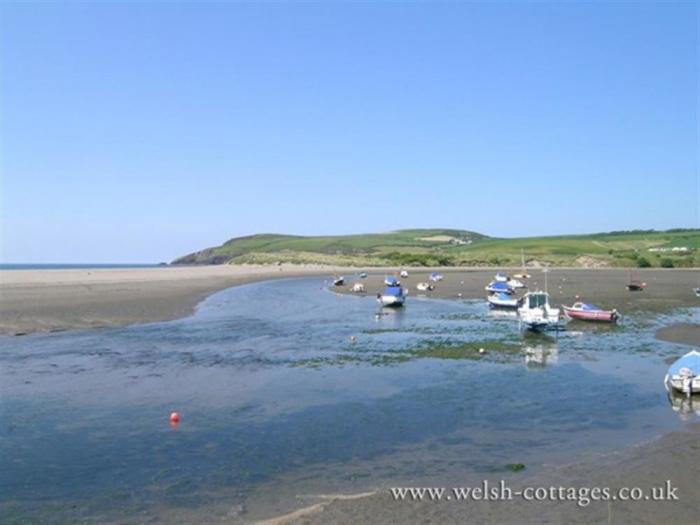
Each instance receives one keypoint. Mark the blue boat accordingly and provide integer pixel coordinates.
(502, 300)
(499, 287)
(435, 277)
(684, 374)
(393, 294)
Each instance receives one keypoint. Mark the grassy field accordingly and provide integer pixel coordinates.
(439, 247)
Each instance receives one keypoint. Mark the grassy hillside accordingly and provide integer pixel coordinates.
(440, 247)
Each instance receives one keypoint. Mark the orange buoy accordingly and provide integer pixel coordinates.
(174, 418)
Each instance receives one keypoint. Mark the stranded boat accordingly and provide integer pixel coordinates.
(499, 287)
(590, 312)
(536, 313)
(435, 277)
(425, 287)
(502, 300)
(684, 375)
(338, 281)
(393, 294)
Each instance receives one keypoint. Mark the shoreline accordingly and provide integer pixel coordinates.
(46, 300)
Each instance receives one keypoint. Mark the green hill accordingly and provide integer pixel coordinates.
(444, 247)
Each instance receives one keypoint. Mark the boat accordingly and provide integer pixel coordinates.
(502, 300)
(393, 294)
(590, 312)
(523, 274)
(536, 313)
(358, 288)
(635, 285)
(499, 287)
(363, 275)
(338, 281)
(435, 277)
(697, 291)
(403, 274)
(425, 287)
(684, 375)
(502, 277)
(514, 283)
(391, 281)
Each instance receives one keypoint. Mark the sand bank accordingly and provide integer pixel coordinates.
(47, 300)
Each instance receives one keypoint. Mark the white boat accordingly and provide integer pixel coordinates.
(502, 300)
(403, 274)
(338, 281)
(536, 314)
(501, 277)
(391, 281)
(498, 287)
(358, 288)
(514, 283)
(363, 275)
(697, 291)
(424, 287)
(393, 294)
(435, 277)
(684, 375)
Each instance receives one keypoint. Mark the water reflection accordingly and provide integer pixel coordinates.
(541, 354)
(685, 406)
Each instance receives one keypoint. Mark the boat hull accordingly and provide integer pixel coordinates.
(495, 302)
(601, 316)
(391, 300)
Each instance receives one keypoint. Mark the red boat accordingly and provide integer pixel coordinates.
(589, 312)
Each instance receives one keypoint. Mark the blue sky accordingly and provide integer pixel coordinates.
(140, 131)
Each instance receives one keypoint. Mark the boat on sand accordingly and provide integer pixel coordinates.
(590, 312)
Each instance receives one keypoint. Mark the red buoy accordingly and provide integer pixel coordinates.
(174, 418)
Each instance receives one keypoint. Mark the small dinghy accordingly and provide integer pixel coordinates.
(338, 281)
(499, 287)
(391, 281)
(635, 284)
(502, 300)
(425, 287)
(684, 375)
(403, 274)
(363, 275)
(435, 277)
(590, 312)
(697, 292)
(536, 314)
(393, 294)
(358, 288)
(501, 277)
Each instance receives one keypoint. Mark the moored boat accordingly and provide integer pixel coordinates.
(393, 294)
(590, 312)
(435, 277)
(425, 287)
(501, 277)
(338, 281)
(502, 300)
(536, 314)
(499, 287)
(684, 375)
(697, 291)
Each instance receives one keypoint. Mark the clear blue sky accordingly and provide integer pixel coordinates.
(141, 131)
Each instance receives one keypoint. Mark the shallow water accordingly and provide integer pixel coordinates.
(275, 395)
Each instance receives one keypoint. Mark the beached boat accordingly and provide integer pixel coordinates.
(435, 277)
(501, 277)
(338, 281)
(590, 312)
(391, 281)
(697, 291)
(502, 300)
(514, 283)
(363, 275)
(393, 294)
(684, 375)
(536, 314)
(425, 287)
(358, 288)
(635, 284)
(403, 274)
(499, 287)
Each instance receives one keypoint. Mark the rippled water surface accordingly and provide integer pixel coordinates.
(288, 387)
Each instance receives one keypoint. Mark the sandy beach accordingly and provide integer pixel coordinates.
(50, 300)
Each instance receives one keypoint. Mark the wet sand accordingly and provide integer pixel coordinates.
(683, 333)
(50, 300)
(674, 457)
(605, 287)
